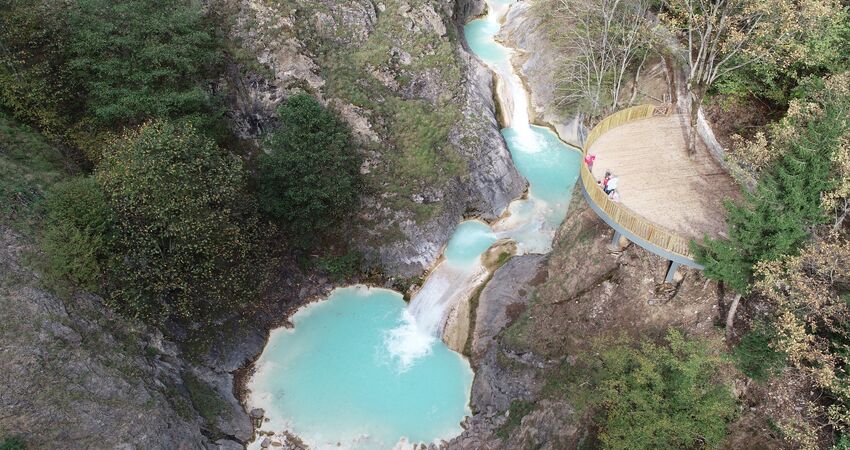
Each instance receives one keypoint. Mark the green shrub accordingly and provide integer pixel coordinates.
(186, 239)
(141, 59)
(516, 412)
(35, 84)
(341, 267)
(659, 396)
(206, 400)
(12, 443)
(754, 356)
(78, 223)
(843, 443)
(310, 176)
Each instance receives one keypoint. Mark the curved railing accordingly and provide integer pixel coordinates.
(639, 230)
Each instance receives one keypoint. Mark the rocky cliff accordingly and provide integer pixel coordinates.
(538, 312)
(75, 376)
(420, 106)
(537, 62)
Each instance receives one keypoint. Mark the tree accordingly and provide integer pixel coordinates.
(797, 192)
(34, 81)
(812, 321)
(309, 176)
(186, 244)
(142, 59)
(659, 396)
(722, 36)
(605, 41)
(818, 46)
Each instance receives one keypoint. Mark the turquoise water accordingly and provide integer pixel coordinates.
(469, 241)
(363, 370)
(331, 379)
(479, 36)
(549, 165)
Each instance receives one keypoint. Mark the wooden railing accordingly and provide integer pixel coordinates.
(621, 215)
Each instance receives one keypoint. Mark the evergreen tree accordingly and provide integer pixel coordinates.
(309, 178)
(778, 217)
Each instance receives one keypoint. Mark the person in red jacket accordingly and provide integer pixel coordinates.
(588, 159)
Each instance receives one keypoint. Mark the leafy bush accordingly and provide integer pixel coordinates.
(12, 443)
(35, 84)
(310, 176)
(186, 234)
(141, 59)
(754, 356)
(341, 267)
(659, 396)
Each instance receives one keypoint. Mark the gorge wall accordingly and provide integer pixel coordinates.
(420, 106)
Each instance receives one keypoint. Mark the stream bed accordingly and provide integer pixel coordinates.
(362, 370)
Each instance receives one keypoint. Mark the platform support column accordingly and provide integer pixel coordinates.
(615, 241)
(671, 271)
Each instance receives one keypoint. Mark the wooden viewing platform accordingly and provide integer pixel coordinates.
(666, 197)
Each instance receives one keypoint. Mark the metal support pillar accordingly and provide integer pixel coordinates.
(615, 241)
(671, 271)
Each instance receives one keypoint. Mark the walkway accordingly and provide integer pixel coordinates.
(659, 181)
(667, 198)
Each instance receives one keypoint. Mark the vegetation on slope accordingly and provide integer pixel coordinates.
(652, 396)
(379, 72)
(157, 216)
(310, 172)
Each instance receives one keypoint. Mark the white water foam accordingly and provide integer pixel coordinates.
(526, 223)
(423, 322)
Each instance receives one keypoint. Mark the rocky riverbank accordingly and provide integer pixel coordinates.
(538, 312)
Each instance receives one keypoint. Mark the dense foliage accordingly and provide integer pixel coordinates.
(139, 59)
(756, 356)
(35, 83)
(78, 227)
(186, 232)
(659, 396)
(310, 176)
(811, 294)
(80, 70)
(807, 147)
(815, 39)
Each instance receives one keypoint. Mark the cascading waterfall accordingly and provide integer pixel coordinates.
(547, 163)
(361, 371)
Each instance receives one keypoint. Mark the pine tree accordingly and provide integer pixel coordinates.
(779, 216)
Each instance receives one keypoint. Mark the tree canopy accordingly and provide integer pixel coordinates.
(186, 233)
(141, 59)
(793, 194)
(659, 396)
(309, 177)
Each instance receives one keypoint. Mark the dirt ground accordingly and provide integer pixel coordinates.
(594, 290)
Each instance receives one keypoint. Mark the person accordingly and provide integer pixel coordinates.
(604, 182)
(611, 185)
(614, 196)
(589, 161)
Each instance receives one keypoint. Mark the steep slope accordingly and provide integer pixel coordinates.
(72, 374)
(419, 104)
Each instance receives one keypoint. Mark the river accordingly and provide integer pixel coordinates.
(360, 370)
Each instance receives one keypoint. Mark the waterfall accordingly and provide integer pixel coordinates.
(531, 222)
